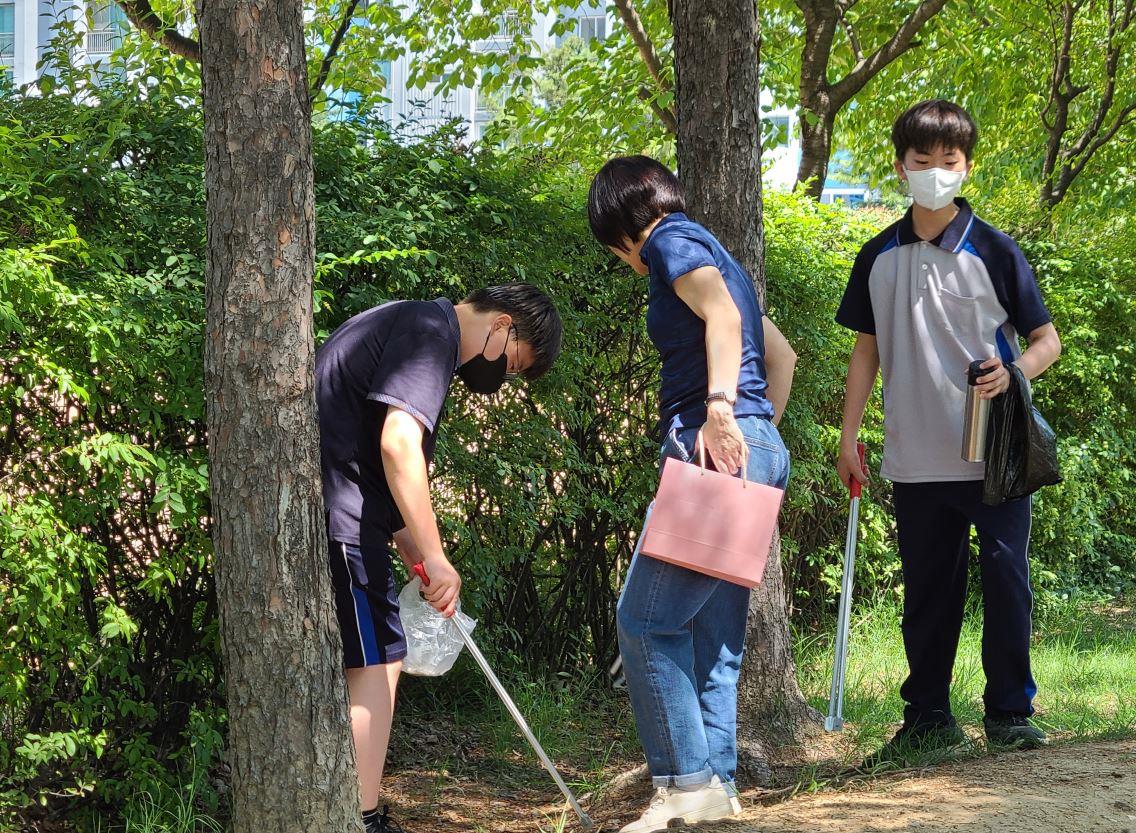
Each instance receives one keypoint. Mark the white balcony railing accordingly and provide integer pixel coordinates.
(510, 25)
(103, 41)
(433, 108)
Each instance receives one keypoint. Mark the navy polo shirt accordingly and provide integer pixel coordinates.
(675, 247)
(403, 353)
(935, 306)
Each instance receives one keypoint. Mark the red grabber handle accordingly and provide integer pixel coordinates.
(420, 571)
(854, 485)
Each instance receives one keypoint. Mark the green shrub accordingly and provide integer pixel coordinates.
(809, 252)
(110, 678)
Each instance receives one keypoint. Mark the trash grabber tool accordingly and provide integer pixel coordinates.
(835, 719)
(511, 707)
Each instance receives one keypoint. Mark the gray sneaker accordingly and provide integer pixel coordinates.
(1015, 731)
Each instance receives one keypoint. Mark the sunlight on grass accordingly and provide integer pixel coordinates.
(556, 824)
(572, 719)
(1082, 661)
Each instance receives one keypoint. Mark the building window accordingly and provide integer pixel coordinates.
(776, 132)
(489, 102)
(107, 24)
(592, 27)
(510, 25)
(8, 39)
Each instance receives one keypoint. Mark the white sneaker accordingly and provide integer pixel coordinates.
(714, 801)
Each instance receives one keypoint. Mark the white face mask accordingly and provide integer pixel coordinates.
(934, 188)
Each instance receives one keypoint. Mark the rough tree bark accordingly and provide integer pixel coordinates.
(822, 99)
(289, 735)
(717, 80)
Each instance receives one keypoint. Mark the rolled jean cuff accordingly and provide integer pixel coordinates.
(684, 782)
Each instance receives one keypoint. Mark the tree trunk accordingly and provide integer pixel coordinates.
(716, 48)
(816, 148)
(1048, 195)
(821, 21)
(289, 734)
(822, 99)
(716, 51)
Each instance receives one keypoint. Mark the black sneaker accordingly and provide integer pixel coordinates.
(381, 823)
(1015, 731)
(915, 744)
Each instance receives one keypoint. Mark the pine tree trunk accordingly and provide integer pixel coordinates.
(289, 745)
(716, 48)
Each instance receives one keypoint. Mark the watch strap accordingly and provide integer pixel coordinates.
(720, 396)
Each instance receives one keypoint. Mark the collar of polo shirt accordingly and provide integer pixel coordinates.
(953, 236)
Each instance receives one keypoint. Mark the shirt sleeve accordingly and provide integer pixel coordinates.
(672, 254)
(414, 375)
(855, 310)
(1019, 293)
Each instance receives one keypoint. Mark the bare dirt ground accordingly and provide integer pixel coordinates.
(1070, 788)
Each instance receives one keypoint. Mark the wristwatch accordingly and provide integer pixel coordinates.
(721, 396)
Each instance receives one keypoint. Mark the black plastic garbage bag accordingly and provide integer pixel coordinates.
(1021, 448)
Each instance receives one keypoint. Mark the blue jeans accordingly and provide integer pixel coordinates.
(682, 636)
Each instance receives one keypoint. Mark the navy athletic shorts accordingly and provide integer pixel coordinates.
(366, 603)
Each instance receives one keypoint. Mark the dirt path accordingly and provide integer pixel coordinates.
(1065, 789)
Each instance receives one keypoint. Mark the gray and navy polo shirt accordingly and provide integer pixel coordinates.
(935, 306)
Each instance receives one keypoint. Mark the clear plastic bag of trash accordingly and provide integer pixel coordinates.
(432, 641)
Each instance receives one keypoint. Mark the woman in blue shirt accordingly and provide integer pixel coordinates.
(727, 371)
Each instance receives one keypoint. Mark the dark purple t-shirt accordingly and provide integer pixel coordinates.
(403, 353)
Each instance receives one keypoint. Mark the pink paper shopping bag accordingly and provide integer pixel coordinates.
(712, 523)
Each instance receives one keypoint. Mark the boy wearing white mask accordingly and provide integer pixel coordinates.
(926, 297)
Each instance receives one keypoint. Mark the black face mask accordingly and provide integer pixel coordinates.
(482, 375)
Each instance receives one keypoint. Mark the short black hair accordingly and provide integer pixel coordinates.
(932, 124)
(534, 315)
(627, 195)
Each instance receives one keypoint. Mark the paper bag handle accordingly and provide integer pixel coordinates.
(700, 443)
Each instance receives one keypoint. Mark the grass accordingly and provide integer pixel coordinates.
(573, 716)
(165, 809)
(1083, 658)
(1082, 661)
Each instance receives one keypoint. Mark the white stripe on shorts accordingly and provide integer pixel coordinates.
(354, 604)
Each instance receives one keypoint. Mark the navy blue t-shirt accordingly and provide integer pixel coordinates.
(676, 246)
(404, 354)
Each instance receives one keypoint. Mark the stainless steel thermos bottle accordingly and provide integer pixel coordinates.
(976, 417)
